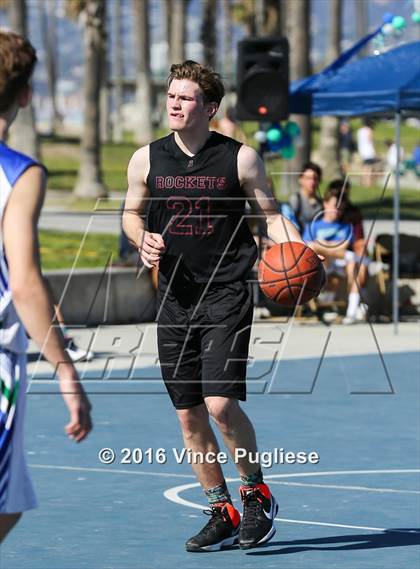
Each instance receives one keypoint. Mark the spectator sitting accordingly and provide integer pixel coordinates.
(306, 203)
(332, 237)
(352, 214)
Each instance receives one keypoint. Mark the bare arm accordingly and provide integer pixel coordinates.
(254, 183)
(31, 297)
(332, 249)
(150, 245)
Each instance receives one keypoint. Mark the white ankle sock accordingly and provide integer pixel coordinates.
(354, 299)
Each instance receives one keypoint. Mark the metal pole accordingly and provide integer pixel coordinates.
(396, 241)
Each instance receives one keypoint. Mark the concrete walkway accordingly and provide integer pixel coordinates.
(109, 222)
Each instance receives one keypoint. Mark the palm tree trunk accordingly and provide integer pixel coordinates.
(208, 32)
(298, 12)
(23, 135)
(260, 14)
(329, 143)
(89, 182)
(117, 131)
(227, 41)
(275, 19)
(105, 91)
(177, 30)
(48, 31)
(143, 131)
(361, 23)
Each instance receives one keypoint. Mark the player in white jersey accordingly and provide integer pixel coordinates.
(24, 299)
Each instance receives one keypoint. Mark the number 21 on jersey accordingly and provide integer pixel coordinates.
(191, 216)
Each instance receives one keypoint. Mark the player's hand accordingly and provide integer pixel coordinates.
(151, 249)
(78, 404)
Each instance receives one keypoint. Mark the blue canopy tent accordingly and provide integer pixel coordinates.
(385, 84)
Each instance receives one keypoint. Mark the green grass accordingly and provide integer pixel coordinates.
(61, 156)
(60, 249)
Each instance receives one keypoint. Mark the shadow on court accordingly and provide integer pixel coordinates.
(397, 537)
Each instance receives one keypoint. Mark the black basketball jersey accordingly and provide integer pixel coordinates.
(198, 207)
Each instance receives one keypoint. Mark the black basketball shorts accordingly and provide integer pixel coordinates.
(203, 344)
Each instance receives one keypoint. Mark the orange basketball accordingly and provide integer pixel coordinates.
(291, 273)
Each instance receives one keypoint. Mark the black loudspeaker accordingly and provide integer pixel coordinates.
(263, 79)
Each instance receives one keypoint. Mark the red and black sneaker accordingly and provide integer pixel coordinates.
(260, 509)
(221, 530)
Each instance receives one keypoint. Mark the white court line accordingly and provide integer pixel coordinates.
(337, 487)
(306, 522)
(172, 494)
(343, 472)
(111, 470)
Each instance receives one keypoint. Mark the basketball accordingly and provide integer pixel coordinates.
(291, 273)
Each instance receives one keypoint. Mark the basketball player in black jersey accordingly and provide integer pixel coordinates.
(185, 213)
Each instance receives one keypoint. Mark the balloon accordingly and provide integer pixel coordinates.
(260, 136)
(286, 140)
(398, 23)
(415, 16)
(292, 128)
(387, 29)
(274, 134)
(387, 18)
(288, 152)
(274, 146)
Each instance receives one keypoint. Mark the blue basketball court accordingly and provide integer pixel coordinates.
(350, 395)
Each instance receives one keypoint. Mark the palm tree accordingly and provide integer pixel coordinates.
(208, 32)
(47, 9)
(227, 39)
(23, 135)
(275, 17)
(298, 12)
(176, 11)
(92, 13)
(261, 17)
(329, 148)
(105, 89)
(143, 131)
(117, 127)
(243, 13)
(361, 24)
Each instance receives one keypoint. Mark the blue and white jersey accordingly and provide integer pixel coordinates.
(16, 491)
(12, 334)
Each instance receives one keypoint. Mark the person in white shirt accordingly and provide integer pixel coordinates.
(367, 152)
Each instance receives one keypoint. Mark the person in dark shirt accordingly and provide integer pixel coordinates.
(346, 145)
(352, 213)
(192, 186)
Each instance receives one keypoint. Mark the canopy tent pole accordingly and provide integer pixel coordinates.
(396, 240)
